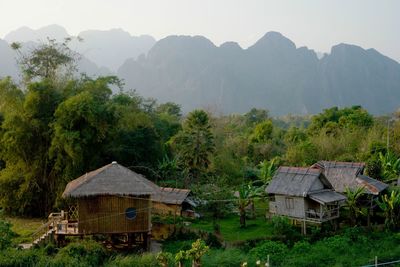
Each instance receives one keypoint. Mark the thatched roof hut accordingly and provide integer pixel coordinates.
(112, 200)
(112, 179)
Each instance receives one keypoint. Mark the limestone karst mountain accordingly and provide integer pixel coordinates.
(190, 70)
(272, 74)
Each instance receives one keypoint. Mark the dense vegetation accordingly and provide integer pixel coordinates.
(55, 126)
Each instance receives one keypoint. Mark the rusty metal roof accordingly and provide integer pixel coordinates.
(296, 181)
(344, 175)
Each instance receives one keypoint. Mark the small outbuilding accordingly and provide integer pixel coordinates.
(172, 201)
(303, 194)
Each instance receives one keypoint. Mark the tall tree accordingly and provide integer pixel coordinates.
(195, 143)
(48, 60)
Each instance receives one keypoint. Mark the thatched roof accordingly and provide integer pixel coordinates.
(171, 195)
(344, 175)
(294, 181)
(112, 179)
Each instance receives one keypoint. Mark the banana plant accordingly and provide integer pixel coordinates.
(245, 196)
(267, 170)
(352, 203)
(390, 164)
(390, 205)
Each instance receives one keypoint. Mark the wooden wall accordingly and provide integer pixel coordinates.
(295, 207)
(106, 214)
(166, 209)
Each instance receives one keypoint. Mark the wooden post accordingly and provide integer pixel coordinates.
(320, 212)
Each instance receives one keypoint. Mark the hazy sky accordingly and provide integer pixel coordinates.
(318, 24)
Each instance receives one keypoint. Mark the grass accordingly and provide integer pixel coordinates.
(24, 228)
(230, 226)
(231, 230)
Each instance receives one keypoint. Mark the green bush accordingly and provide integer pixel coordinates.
(6, 234)
(85, 253)
(227, 258)
(282, 228)
(15, 257)
(277, 251)
(145, 260)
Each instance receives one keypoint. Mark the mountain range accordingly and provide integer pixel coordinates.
(273, 73)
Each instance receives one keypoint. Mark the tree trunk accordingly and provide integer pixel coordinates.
(242, 218)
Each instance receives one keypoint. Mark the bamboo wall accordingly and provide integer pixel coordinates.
(106, 214)
(166, 209)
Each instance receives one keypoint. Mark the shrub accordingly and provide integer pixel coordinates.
(15, 257)
(145, 260)
(6, 234)
(85, 253)
(226, 258)
(276, 250)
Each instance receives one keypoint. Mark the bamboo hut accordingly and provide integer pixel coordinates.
(115, 201)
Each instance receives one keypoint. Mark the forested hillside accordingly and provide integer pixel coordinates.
(55, 127)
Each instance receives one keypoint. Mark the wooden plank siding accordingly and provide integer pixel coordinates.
(106, 214)
(288, 205)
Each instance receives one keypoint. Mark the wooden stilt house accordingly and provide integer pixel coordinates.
(303, 194)
(115, 201)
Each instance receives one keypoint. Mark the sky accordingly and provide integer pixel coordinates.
(317, 24)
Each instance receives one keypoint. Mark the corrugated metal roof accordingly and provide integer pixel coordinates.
(295, 181)
(344, 175)
(325, 197)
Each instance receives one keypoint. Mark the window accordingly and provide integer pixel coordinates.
(130, 213)
(272, 198)
(289, 202)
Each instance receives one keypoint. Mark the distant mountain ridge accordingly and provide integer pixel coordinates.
(107, 49)
(272, 73)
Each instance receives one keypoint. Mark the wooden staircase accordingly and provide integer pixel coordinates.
(46, 232)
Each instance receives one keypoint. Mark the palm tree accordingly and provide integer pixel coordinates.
(352, 203)
(195, 143)
(245, 196)
(390, 205)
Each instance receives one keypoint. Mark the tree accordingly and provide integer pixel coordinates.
(262, 132)
(390, 166)
(24, 144)
(82, 124)
(171, 109)
(390, 205)
(245, 195)
(352, 203)
(330, 119)
(255, 116)
(267, 170)
(47, 60)
(195, 143)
